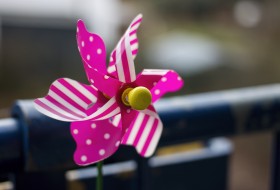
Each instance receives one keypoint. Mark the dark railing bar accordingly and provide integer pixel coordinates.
(216, 147)
(34, 142)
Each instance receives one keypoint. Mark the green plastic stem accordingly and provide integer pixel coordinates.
(99, 180)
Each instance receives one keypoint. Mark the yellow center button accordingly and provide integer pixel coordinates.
(138, 98)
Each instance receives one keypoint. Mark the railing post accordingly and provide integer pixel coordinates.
(275, 170)
(46, 143)
(143, 173)
(11, 152)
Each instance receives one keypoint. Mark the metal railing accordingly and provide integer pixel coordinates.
(32, 142)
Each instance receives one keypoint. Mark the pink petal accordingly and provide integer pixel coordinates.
(91, 48)
(144, 133)
(123, 55)
(159, 82)
(96, 140)
(67, 100)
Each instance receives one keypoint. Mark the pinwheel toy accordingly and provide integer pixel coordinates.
(117, 107)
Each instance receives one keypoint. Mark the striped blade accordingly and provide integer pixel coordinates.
(67, 100)
(144, 132)
(121, 60)
(95, 140)
(159, 82)
(91, 48)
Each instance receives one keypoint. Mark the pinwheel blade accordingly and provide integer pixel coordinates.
(67, 100)
(95, 140)
(91, 48)
(121, 61)
(144, 132)
(159, 82)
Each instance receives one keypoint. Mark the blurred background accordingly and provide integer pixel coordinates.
(213, 44)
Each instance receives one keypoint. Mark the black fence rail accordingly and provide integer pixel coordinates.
(37, 150)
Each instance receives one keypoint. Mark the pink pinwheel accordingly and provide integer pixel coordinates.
(117, 107)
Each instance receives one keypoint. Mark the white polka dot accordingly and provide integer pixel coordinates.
(88, 142)
(164, 79)
(91, 39)
(128, 111)
(106, 76)
(93, 126)
(75, 131)
(88, 57)
(101, 152)
(99, 51)
(77, 29)
(84, 158)
(179, 78)
(106, 136)
(117, 143)
(157, 91)
(92, 81)
(95, 69)
(154, 83)
(83, 44)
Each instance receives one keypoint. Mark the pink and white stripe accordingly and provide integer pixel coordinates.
(133, 35)
(121, 60)
(124, 62)
(144, 133)
(160, 72)
(67, 100)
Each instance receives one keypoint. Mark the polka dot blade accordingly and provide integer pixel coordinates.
(92, 48)
(170, 82)
(159, 82)
(95, 141)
